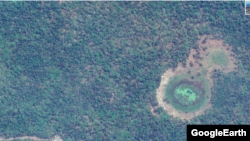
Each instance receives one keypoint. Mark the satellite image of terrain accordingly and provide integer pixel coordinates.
(248, 10)
(248, 7)
(121, 70)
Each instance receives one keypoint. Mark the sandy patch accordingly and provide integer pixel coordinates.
(57, 138)
(212, 46)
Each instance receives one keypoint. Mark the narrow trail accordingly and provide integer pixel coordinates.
(56, 138)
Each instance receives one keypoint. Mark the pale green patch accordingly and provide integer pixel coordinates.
(185, 95)
(219, 58)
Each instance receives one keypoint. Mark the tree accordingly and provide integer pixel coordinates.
(191, 64)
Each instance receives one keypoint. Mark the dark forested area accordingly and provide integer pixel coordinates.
(89, 70)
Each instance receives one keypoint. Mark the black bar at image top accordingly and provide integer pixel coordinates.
(218, 132)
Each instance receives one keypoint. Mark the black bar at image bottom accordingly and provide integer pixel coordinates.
(218, 132)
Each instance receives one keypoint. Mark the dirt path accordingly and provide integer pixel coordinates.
(56, 138)
(212, 46)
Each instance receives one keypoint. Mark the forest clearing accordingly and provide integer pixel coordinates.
(210, 60)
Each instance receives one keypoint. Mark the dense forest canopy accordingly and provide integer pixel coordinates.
(89, 70)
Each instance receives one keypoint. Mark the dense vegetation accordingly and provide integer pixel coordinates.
(89, 70)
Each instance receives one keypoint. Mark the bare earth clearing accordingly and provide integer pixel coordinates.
(212, 46)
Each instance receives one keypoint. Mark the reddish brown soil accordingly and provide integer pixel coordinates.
(212, 45)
